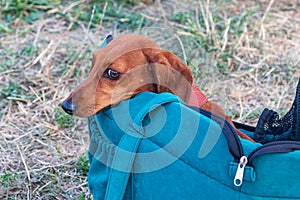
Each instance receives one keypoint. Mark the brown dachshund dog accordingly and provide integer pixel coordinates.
(131, 64)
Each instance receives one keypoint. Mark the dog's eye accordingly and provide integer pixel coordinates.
(112, 74)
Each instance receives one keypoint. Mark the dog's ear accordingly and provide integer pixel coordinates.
(171, 75)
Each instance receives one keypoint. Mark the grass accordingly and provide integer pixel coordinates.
(244, 55)
(8, 179)
(83, 165)
(63, 119)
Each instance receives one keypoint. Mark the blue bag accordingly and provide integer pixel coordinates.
(166, 150)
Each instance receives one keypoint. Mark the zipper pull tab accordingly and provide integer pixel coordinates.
(238, 179)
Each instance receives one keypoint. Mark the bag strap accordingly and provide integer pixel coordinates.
(126, 151)
(123, 159)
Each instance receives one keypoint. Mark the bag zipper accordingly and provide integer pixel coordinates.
(236, 149)
(233, 141)
(273, 147)
(238, 178)
(269, 148)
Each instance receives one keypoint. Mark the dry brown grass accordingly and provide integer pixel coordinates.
(245, 55)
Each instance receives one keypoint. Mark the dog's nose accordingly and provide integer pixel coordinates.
(68, 106)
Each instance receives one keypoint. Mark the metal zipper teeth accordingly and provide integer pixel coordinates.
(233, 141)
(273, 147)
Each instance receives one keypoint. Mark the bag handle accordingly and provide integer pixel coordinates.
(128, 146)
(118, 180)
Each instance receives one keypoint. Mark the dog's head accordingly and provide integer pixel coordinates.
(126, 66)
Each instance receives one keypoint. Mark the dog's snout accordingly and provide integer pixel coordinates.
(68, 106)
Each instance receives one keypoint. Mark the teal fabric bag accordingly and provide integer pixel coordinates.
(153, 146)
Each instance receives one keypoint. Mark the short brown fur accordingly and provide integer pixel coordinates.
(144, 66)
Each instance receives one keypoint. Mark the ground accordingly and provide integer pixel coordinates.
(244, 55)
